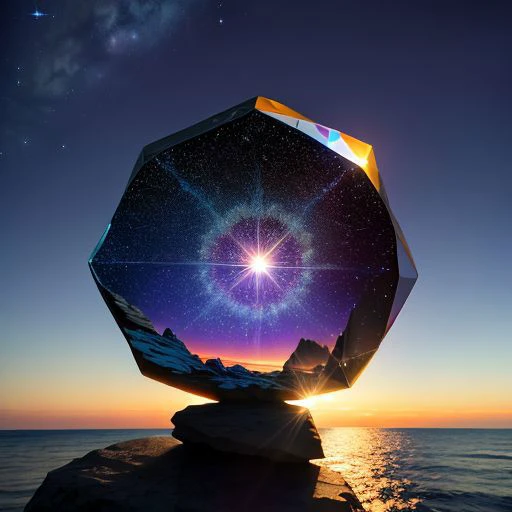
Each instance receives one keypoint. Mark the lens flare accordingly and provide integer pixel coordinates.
(259, 264)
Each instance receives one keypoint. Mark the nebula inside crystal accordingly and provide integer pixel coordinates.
(256, 263)
(246, 238)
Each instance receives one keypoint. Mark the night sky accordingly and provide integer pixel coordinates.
(87, 85)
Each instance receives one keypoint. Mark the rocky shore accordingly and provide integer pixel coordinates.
(162, 474)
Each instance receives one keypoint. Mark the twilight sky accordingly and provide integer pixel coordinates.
(85, 86)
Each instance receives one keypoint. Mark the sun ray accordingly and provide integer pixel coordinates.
(277, 244)
(275, 265)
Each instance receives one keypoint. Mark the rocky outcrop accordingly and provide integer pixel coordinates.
(166, 358)
(171, 354)
(276, 431)
(159, 474)
(308, 355)
(132, 316)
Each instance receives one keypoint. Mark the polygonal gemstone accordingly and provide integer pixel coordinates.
(254, 255)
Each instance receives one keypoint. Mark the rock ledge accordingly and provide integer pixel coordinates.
(160, 474)
(273, 430)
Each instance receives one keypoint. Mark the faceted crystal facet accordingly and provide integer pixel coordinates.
(254, 256)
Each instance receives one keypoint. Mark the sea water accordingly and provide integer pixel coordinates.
(423, 470)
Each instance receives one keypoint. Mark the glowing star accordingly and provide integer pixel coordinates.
(271, 256)
(259, 264)
(38, 14)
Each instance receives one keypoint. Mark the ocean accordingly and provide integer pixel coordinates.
(423, 470)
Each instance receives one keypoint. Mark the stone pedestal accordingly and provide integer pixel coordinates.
(274, 430)
(159, 474)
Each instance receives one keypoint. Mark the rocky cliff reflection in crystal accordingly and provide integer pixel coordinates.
(254, 256)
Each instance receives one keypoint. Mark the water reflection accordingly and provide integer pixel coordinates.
(420, 470)
(370, 461)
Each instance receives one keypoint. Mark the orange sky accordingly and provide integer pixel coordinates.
(67, 395)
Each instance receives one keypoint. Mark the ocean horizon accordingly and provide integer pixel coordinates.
(390, 469)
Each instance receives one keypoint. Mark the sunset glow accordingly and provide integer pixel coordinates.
(120, 397)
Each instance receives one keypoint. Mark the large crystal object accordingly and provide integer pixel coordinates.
(254, 256)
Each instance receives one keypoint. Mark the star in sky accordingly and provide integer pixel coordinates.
(257, 263)
(38, 14)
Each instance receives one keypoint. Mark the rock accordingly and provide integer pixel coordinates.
(273, 430)
(132, 316)
(159, 474)
(307, 355)
(168, 334)
(166, 358)
(238, 369)
(167, 352)
(215, 365)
